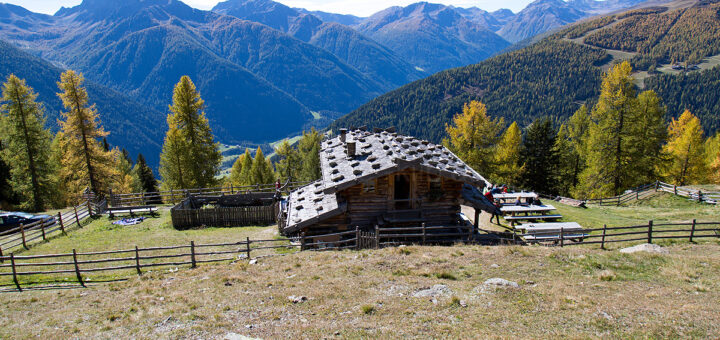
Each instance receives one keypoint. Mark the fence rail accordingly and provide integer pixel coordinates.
(176, 196)
(23, 236)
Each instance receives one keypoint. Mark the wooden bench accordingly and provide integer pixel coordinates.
(551, 231)
(151, 209)
(512, 219)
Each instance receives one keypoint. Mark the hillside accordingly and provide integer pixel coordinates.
(132, 125)
(554, 76)
(241, 68)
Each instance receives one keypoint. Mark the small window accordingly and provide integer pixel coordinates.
(369, 186)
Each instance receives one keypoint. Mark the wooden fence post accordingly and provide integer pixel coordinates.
(637, 195)
(602, 243)
(424, 236)
(675, 189)
(77, 219)
(232, 191)
(192, 254)
(357, 238)
(699, 195)
(90, 213)
(302, 241)
(650, 227)
(692, 231)
(42, 228)
(1, 256)
(14, 271)
(562, 237)
(657, 184)
(248, 248)
(377, 237)
(62, 226)
(142, 196)
(22, 233)
(137, 260)
(77, 269)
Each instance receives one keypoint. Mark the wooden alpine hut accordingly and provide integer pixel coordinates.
(383, 180)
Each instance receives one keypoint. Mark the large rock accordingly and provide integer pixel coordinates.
(436, 290)
(500, 283)
(647, 247)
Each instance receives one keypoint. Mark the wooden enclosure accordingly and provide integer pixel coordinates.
(244, 210)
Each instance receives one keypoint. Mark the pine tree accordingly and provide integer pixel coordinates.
(712, 149)
(148, 182)
(540, 157)
(473, 136)
(507, 157)
(686, 149)
(26, 144)
(309, 150)
(570, 148)
(84, 162)
(610, 135)
(190, 157)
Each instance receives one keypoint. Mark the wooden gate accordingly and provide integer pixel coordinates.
(367, 240)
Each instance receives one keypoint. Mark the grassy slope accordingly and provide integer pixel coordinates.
(576, 292)
(573, 292)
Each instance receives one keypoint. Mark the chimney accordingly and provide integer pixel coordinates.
(350, 149)
(343, 134)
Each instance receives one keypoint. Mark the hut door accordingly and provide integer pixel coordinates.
(402, 192)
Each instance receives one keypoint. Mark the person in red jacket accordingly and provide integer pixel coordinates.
(490, 198)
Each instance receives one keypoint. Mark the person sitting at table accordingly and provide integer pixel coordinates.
(504, 189)
(536, 201)
(496, 190)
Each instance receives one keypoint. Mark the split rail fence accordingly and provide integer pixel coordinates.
(690, 231)
(648, 190)
(23, 236)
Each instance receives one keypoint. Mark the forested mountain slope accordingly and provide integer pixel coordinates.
(132, 125)
(553, 77)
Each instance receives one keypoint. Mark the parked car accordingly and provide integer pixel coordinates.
(9, 220)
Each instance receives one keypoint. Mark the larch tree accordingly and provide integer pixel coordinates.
(647, 139)
(686, 148)
(190, 157)
(473, 136)
(540, 158)
(84, 162)
(288, 167)
(260, 172)
(610, 136)
(234, 178)
(570, 148)
(509, 166)
(712, 149)
(309, 151)
(26, 145)
(245, 177)
(125, 180)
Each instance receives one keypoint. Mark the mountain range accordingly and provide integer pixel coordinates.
(264, 69)
(554, 76)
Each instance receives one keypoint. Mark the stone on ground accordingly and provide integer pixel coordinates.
(647, 247)
(500, 283)
(436, 290)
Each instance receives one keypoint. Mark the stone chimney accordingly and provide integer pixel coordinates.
(343, 135)
(350, 149)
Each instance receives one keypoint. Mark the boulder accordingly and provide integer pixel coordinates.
(500, 283)
(436, 290)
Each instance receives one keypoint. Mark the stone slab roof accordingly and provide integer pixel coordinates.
(376, 154)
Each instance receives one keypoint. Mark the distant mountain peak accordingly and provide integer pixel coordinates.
(102, 9)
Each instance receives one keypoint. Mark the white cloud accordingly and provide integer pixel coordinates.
(356, 7)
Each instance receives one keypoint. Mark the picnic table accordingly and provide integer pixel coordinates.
(513, 196)
(151, 209)
(528, 213)
(551, 231)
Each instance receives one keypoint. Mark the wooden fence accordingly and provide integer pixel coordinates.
(23, 236)
(690, 231)
(17, 270)
(186, 215)
(648, 190)
(382, 237)
(175, 196)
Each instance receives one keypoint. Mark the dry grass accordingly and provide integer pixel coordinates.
(569, 292)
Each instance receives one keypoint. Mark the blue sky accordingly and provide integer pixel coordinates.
(356, 7)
